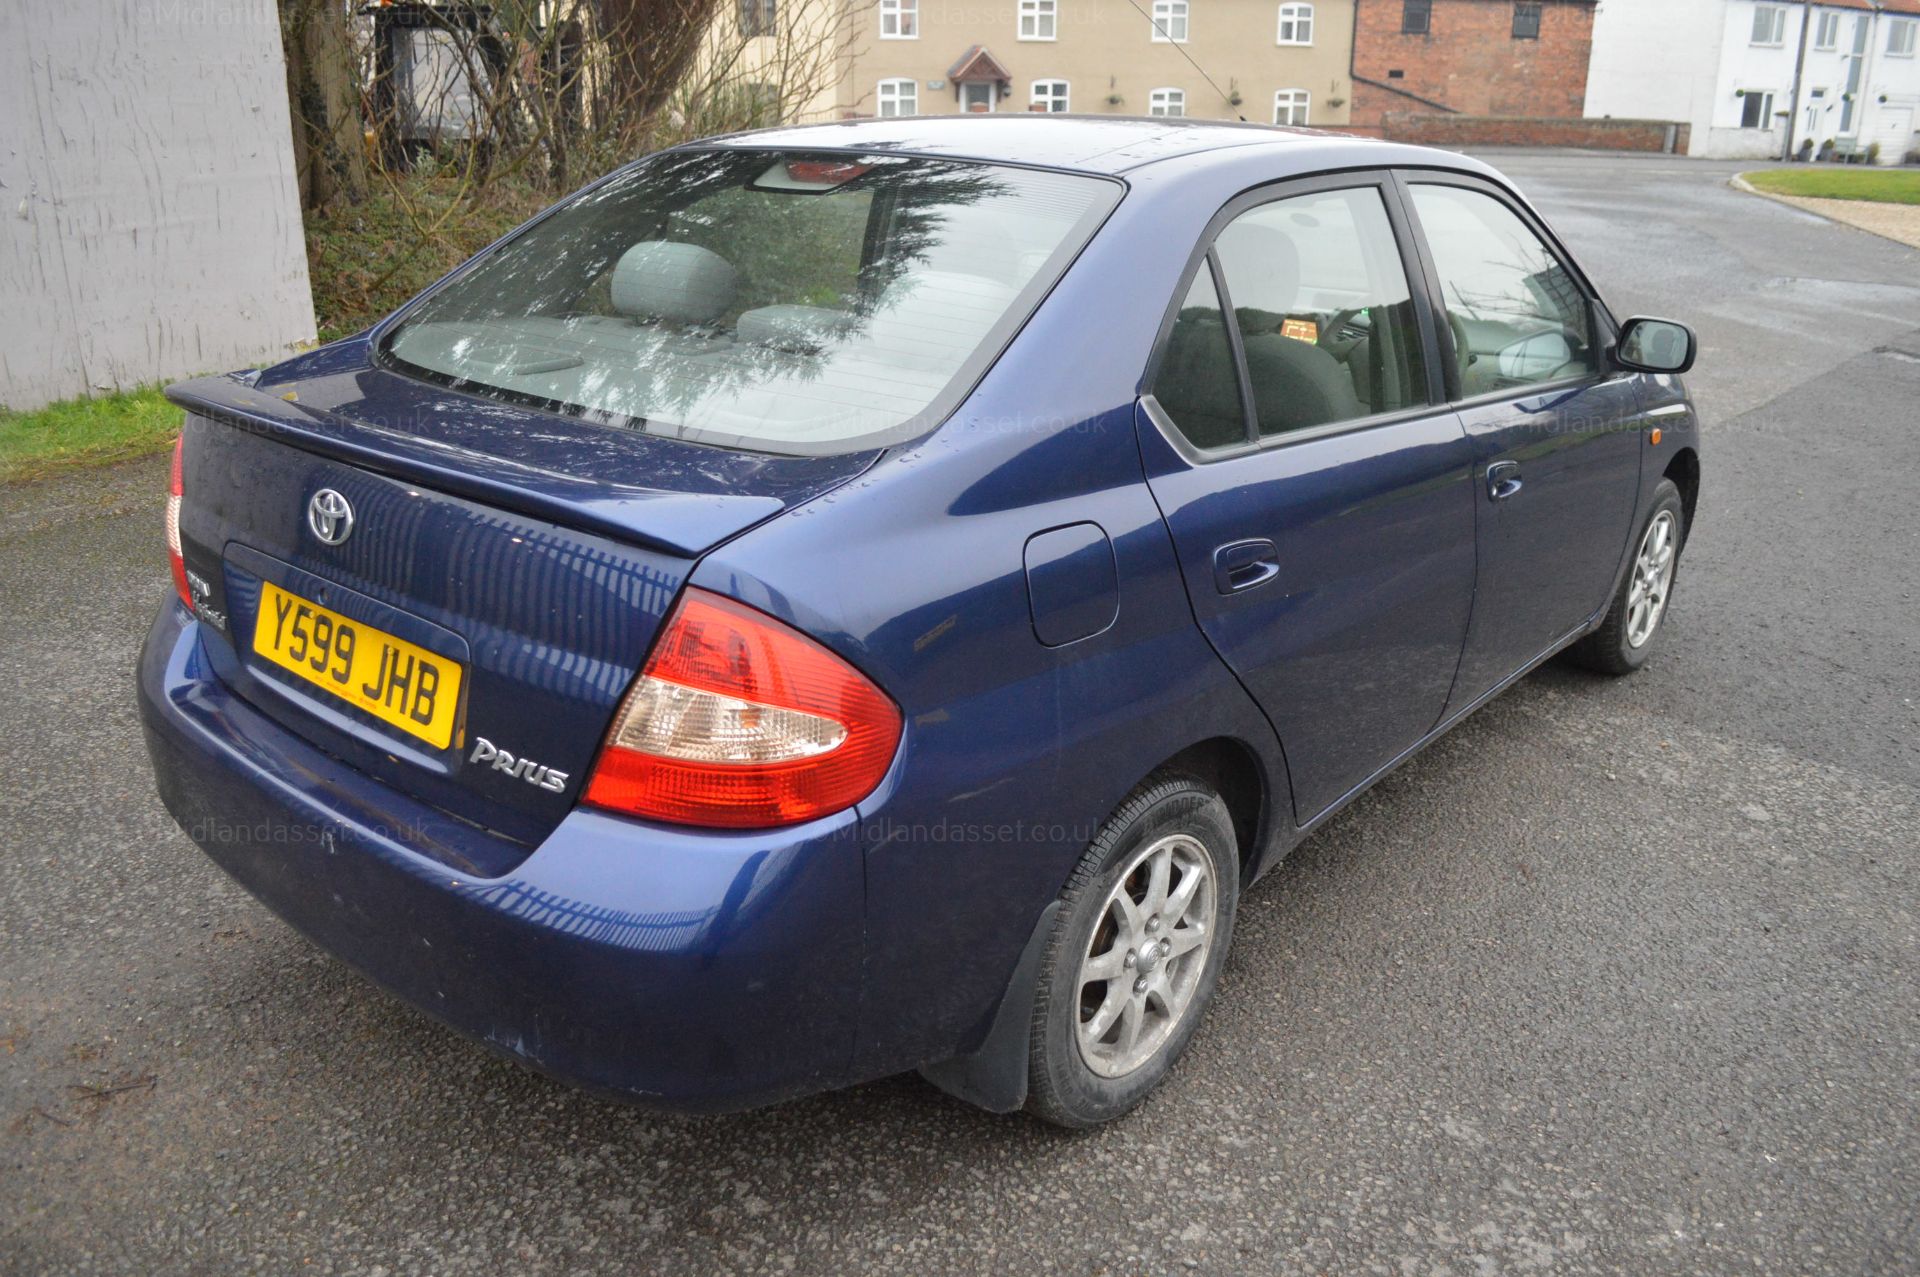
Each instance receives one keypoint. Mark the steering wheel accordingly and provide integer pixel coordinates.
(1339, 349)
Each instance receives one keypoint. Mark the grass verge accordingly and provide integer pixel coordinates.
(1880, 186)
(85, 432)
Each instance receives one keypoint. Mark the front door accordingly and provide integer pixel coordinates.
(1555, 450)
(1317, 489)
(977, 95)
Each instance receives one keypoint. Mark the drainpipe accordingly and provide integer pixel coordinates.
(1799, 70)
(1860, 130)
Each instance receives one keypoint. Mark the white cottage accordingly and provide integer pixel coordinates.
(1727, 67)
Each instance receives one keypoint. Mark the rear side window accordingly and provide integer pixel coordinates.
(1517, 315)
(767, 300)
(1326, 317)
(1198, 386)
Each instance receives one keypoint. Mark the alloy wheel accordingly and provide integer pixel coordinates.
(1652, 579)
(1147, 953)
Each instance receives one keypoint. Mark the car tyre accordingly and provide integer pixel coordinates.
(1628, 634)
(1134, 954)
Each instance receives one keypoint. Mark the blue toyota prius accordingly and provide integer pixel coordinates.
(846, 599)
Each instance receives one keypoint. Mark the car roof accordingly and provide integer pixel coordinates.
(1093, 144)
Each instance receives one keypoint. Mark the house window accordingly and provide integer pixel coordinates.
(898, 97)
(756, 17)
(1296, 24)
(1828, 37)
(1038, 19)
(1048, 95)
(899, 19)
(1167, 102)
(763, 104)
(1170, 21)
(1416, 17)
(1290, 106)
(1526, 22)
(1756, 110)
(1770, 25)
(1900, 38)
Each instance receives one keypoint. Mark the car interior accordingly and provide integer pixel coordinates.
(758, 309)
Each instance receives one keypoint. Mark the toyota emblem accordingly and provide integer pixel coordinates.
(330, 517)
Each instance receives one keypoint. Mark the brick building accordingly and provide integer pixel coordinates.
(1472, 57)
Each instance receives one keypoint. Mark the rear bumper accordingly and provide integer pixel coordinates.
(686, 970)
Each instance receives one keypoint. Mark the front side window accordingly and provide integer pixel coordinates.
(756, 17)
(899, 19)
(1048, 96)
(1296, 24)
(1517, 315)
(776, 301)
(1526, 21)
(1416, 17)
(1170, 21)
(896, 97)
(1038, 19)
(1326, 318)
(1900, 38)
(1167, 102)
(1290, 106)
(1769, 25)
(1756, 110)
(1828, 38)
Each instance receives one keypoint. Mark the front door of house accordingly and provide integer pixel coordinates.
(977, 95)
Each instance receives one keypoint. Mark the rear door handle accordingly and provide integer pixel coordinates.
(1503, 480)
(1241, 565)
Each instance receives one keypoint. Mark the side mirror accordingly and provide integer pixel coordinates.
(1656, 345)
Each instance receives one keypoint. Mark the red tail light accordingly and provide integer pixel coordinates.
(176, 489)
(740, 722)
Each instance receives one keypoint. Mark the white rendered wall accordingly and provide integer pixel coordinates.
(149, 219)
(1656, 60)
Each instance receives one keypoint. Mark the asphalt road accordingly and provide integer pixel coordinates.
(1620, 977)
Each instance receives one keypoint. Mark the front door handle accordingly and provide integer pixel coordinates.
(1241, 565)
(1503, 480)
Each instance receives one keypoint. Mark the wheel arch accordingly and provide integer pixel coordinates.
(1684, 471)
(1233, 770)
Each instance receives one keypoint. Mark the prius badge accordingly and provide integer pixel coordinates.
(330, 517)
(485, 751)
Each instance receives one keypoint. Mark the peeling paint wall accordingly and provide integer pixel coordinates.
(149, 219)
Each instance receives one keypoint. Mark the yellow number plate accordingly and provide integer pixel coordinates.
(370, 669)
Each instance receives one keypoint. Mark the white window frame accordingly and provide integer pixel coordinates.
(1293, 98)
(904, 18)
(1056, 91)
(1898, 28)
(909, 98)
(1039, 20)
(1170, 21)
(1824, 42)
(1767, 104)
(1776, 18)
(1296, 25)
(1170, 103)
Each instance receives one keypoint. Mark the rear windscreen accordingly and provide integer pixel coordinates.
(759, 299)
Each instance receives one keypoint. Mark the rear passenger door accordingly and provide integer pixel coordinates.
(1317, 488)
(1556, 446)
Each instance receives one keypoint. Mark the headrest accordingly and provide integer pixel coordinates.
(1262, 265)
(683, 283)
(791, 328)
